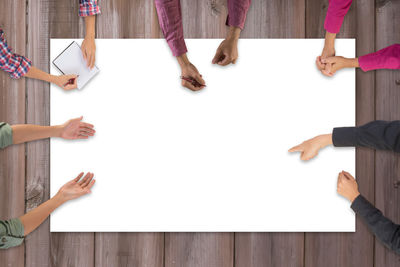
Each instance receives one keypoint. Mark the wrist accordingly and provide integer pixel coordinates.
(59, 199)
(90, 36)
(52, 78)
(330, 40)
(183, 60)
(354, 196)
(353, 62)
(56, 130)
(233, 33)
(325, 140)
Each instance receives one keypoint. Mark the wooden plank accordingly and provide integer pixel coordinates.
(347, 249)
(315, 17)
(69, 249)
(199, 249)
(269, 249)
(387, 196)
(12, 110)
(37, 244)
(272, 19)
(128, 249)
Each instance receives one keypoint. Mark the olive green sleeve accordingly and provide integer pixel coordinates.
(6, 135)
(11, 233)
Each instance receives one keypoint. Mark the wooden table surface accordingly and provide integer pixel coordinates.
(24, 169)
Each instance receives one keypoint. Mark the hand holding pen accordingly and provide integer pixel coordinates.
(191, 78)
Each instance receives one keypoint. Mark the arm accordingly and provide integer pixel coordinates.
(310, 148)
(71, 190)
(170, 19)
(16, 65)
(72, 129)
(89, 9)
(383, 228)
(227, 51)
(337, 9)
(61, 81)
(386, 58)
(378, 134)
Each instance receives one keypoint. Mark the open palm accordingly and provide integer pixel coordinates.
(76, 129)
(77, 187)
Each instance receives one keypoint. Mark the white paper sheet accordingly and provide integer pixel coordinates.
(70, 61)
(168, 159)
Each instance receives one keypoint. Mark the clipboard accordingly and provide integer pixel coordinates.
(71, 61)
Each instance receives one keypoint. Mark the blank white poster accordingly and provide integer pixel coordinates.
(167, 159)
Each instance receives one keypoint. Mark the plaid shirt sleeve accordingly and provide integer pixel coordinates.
(12, 63)
(88, 8)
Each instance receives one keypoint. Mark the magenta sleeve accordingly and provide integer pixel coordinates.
(237, 11)
(337, 9)
(386, 58)
(170, 19)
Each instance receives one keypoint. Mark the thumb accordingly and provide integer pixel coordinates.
(216, 57)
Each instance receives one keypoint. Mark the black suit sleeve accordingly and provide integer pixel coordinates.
(383, 228)
(376, 134)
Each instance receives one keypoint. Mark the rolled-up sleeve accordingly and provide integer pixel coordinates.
(237, 12)
(170, 19)
(88, 8)
(16, 65)
(6, 135)
(11, 233)
(386, 58)
(337, 9)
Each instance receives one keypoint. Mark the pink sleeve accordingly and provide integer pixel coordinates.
(337, 9)
(386, 58)
(170, 19)
(237, 11)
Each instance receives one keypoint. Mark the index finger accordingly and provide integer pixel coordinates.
(296, 149)
(87, 125)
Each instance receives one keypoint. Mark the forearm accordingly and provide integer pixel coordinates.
(233, 33)
(337, 9)
(378, 134)
(90, 22)
(383, 228)
(38, 74)
(330, 40)
(35, 217)
(237, 12)
(26, 132)
(386, 58)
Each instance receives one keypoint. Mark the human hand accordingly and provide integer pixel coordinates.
(76, 187)
(89, 51)
(328, 51)
(76, 129)
(310, 148)
(227, 51)
(334, 64)
(63, 81)
(190, 72)
(347, 186)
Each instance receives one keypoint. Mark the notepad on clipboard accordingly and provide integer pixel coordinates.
(71, 61)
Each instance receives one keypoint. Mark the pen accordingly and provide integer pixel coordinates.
(192, 81)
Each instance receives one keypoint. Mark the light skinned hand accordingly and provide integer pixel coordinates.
(310, 148)
(89, 51)
(63, 81)
(227, 52)
(76, 129)
(328, 51)
(77, 187)
(347, 186)
(334, 64)
(190, 71)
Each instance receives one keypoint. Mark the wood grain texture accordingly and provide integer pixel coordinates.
(37, 244)
(199, 249)
(315, 17)
(269, 249)
(69, 249)
(387, 196)
(12, 110)
(128, 19)
(129, 249)
(272, 19)
(345, 249)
